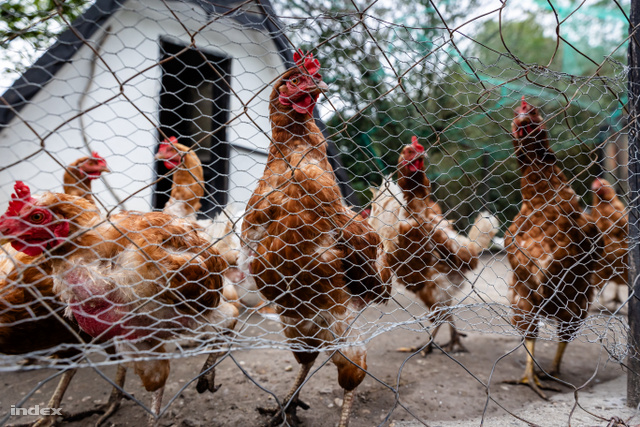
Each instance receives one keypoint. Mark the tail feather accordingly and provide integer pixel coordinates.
(386, 210)
(483, 231)
(223, 232)
(359, 245)
(480, 236)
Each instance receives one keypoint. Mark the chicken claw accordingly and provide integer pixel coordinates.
(455, 345)
(54, 402)
(424, 349)
(554, 373)
(108, 408)
(208, 375)
(533, 381)
(290, 413)
(46, 421)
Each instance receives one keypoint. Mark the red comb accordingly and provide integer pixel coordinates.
(597, 184)
(307, 62)
(21, 196)
(414, 141)
(96, 156)
(172, 140)
(523, 103)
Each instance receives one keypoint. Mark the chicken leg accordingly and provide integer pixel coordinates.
(56, 398)
(291, 402)
(156, 406)
(108, 408)
(347, 404)
(208, 375)
(116, 396)
(530, 378)
(555, 366)
(454, 344)
(616, 301)
(224, 319)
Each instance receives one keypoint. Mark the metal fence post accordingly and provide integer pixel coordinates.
(633, 379)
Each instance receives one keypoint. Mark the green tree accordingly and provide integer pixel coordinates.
(397, 72)
(386, 64)
(27, 27)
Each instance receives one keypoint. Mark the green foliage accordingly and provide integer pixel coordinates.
(28, 27)
(396, 73)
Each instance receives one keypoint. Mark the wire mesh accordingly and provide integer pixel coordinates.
(222, 193)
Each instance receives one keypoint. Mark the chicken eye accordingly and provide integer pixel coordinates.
(36, 217)
(294, 81)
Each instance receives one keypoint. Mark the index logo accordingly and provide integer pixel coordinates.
(35, 410)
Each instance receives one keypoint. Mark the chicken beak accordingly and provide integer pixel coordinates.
(320, 86)
(158, 156)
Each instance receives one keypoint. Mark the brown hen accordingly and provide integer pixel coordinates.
(79, 175)
(31, 315)
(141, 277)
(188, 178)
(422, 251)
(551, 244)
(611, 218)
(310, 255)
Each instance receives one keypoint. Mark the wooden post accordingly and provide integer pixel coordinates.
(633, 375)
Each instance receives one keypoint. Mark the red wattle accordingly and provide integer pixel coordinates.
(305, 105)
(171, 164)
(30, 250)
(41, 238)
(416, 166)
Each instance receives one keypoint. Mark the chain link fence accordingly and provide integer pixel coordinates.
(204, 197)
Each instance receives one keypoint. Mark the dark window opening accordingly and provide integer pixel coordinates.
(194, 106)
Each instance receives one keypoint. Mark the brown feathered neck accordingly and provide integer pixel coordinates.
(77, 210)
(77, 183)
(540, 174)
(188, 179)
(533, 149)
(543, 179)
(414, 185)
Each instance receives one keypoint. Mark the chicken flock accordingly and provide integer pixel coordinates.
(129, 281)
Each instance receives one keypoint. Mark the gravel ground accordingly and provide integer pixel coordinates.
(401, 389)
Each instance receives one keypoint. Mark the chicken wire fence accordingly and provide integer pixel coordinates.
(169, 202)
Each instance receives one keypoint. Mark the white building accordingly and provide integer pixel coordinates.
(128, 71)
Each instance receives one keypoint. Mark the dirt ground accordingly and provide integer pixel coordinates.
(401, 388)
